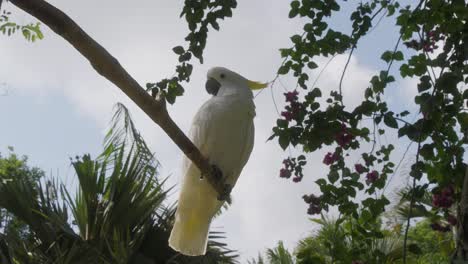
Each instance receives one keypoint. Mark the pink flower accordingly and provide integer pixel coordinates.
(330, 158)
(359, 168)
(285, 173)
(344, 137)
(291, 96)
(287, 115)
(371, 177)
(442, 201)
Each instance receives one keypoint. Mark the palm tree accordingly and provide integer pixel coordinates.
(277, 255)
(118, 214)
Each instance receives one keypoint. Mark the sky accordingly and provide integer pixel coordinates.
(56, 106)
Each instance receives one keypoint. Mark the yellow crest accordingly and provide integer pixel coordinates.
(256, 85)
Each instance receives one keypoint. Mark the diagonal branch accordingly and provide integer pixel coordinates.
(109, 67)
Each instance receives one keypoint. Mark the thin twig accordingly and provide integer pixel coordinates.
(410, 211)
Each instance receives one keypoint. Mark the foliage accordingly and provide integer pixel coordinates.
(335, 243)
(117, 215)
(437, 247)
(430, 48)
(30, 32)
(200, 16)
(310, 123)
(14, 166)
(277, 255)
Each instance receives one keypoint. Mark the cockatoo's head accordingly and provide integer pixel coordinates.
(222, 81)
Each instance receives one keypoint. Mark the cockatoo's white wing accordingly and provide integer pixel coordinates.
(223, 130)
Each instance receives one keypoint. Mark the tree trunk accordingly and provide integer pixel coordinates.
(461, 251)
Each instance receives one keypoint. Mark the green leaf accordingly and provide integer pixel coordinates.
(415, 249)
(179, 50)
(463, 120)
(282, 123)
(390, 121)
(387, 56)
(312, 65)
(296, 39)
(283, 141)
(424, 84)
(333, 176)
(283, 70)
(398, 56)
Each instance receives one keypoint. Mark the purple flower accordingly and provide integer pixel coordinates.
(291, 96)
(285, 173)
(287, 115)
(311, 199)
(330, 158)
(442, 201)
(359, 168)
(344, 137)
(371, 177)
(297, 179)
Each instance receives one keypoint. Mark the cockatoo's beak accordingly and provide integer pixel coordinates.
(256, 85)
(212, 86)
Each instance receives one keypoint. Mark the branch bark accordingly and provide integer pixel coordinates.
(109, 67)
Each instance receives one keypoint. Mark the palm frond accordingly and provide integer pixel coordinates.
(279, 255)
(118, 211)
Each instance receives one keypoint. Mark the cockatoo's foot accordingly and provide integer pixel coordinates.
(217, 173)
(226, 194)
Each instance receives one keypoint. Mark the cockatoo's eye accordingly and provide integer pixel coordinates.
(222, 76)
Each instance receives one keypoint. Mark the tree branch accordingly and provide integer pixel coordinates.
(109, 67)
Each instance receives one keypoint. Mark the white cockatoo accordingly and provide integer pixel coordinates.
(223, 130)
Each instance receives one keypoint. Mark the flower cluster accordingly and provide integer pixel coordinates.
(314, 204)
(428, 44)
(290, 166)
(293, 108)
(331, 158)
(444, 199)
(344, 137)
(371, 177)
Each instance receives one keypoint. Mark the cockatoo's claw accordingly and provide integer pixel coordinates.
(226, 194)
(217, 173)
